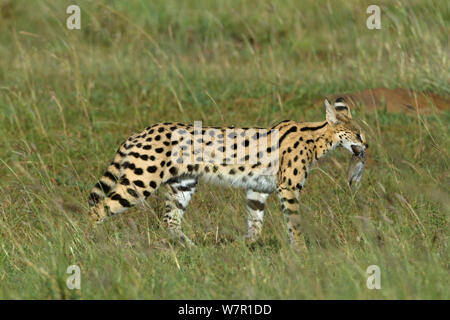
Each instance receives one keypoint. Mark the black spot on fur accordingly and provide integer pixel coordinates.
(291, 130)
(103, 186)
(255, 205)
(173, 171)
(110, 176)
(132, 193)
(313, 128)
(139, 183)
(151, 169)
(123, 202)
(124, 181)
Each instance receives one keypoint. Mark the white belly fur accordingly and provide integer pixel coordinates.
(261, 183)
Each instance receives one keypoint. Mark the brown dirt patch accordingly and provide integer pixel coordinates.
(394, 100)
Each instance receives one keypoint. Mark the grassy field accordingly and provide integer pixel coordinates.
(69, 97)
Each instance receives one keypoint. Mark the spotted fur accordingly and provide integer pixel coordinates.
(169, 153)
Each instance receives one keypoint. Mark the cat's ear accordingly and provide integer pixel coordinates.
(341, 108)
(330, 113)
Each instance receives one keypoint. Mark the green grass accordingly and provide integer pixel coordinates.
(68, 98)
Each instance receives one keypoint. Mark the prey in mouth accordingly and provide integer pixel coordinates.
(356, 166)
